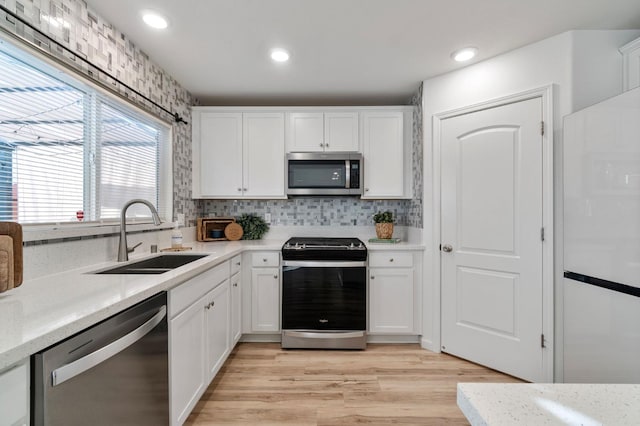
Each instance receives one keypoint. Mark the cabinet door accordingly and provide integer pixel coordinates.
(236, 309)
(219, 156)
(217, 328)
(391, 300)
(265, 299)
(14, 389)
(306, 132)
(263, 147)
(341, 131)
(383, 151)
(186, 360)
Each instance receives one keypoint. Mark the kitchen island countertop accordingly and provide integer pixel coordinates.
(497, 404)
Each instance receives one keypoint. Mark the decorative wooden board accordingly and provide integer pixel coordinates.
(171, 249)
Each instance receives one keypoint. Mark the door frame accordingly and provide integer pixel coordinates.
(546, 94)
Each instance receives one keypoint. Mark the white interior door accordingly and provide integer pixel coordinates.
(491, 220)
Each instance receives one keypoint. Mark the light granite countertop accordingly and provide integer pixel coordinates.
(46, 310)
(496, 404)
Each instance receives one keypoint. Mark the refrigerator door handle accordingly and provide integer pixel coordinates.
(69, 371)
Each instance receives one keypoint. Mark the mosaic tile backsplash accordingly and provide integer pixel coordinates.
(311, 211)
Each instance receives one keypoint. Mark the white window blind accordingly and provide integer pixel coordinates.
(68, 151)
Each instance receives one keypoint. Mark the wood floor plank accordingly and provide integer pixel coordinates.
(261, 384)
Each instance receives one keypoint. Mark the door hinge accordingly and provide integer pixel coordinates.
(542, 128)
(542, 341)
(542, 234)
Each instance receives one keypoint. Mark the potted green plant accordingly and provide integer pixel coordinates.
(384, 224)
(253, 226)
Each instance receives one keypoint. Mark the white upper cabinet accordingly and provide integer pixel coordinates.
(238, 154)
(323, 131)
(217, 154)
(263, 148)
(631, 64)
(387, 154)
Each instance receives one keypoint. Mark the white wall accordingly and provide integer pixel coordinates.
(583, 66)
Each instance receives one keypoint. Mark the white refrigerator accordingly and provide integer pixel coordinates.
(601, 287)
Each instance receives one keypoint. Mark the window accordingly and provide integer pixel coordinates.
(69, 152)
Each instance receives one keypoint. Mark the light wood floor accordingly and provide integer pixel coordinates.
(261, 384)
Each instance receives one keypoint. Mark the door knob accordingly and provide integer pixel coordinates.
(447, 248)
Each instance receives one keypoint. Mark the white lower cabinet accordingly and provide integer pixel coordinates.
(186, 355)
(265, 292)
(199, 337)
(14, 395)
(236, 299)
(217, 328)
(394, 293)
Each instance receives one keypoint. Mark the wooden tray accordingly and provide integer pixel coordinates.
(206, 225)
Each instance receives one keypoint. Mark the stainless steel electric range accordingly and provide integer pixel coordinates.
(324, 293)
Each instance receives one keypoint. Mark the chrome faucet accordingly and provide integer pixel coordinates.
(123, 249)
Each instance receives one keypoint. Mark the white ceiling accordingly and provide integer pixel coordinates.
(342, 51)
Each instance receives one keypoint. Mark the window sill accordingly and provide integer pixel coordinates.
(50, 232)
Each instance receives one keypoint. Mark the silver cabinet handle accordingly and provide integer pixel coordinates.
(79, 366)
(447, 248)
(210, 305)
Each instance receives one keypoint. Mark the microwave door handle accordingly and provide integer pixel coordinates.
(347, 165)
(69, 371)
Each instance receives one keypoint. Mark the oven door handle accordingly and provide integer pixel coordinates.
(326, 335)
(69, 371)
(323, 264)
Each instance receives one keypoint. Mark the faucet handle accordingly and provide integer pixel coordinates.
(131, 249)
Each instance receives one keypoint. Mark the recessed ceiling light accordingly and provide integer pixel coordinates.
(279, 55)
(465, 54)
(154, 20)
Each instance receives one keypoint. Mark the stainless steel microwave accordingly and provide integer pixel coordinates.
(324, 173)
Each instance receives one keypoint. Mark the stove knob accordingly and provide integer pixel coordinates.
(360, 245)
(287, 245)
(352, 246)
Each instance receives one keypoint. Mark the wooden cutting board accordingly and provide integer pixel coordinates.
(6, 263)
(13, 230)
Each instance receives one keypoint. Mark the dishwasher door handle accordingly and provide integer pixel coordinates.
(79, 366)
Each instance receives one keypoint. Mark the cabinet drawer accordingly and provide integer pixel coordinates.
(190, 291)
(236, 264)
(265, 259)
(391, 259)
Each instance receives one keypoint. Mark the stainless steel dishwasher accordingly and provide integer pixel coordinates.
(114, 373)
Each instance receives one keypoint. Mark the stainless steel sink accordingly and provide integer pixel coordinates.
(155, 265)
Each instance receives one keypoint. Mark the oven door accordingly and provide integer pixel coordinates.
(324, 296)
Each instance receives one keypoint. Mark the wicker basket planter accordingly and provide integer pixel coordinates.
(384, 231)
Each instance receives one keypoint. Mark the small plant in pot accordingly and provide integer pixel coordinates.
(384, 224)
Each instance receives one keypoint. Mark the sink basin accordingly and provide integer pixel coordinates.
(155, 265)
